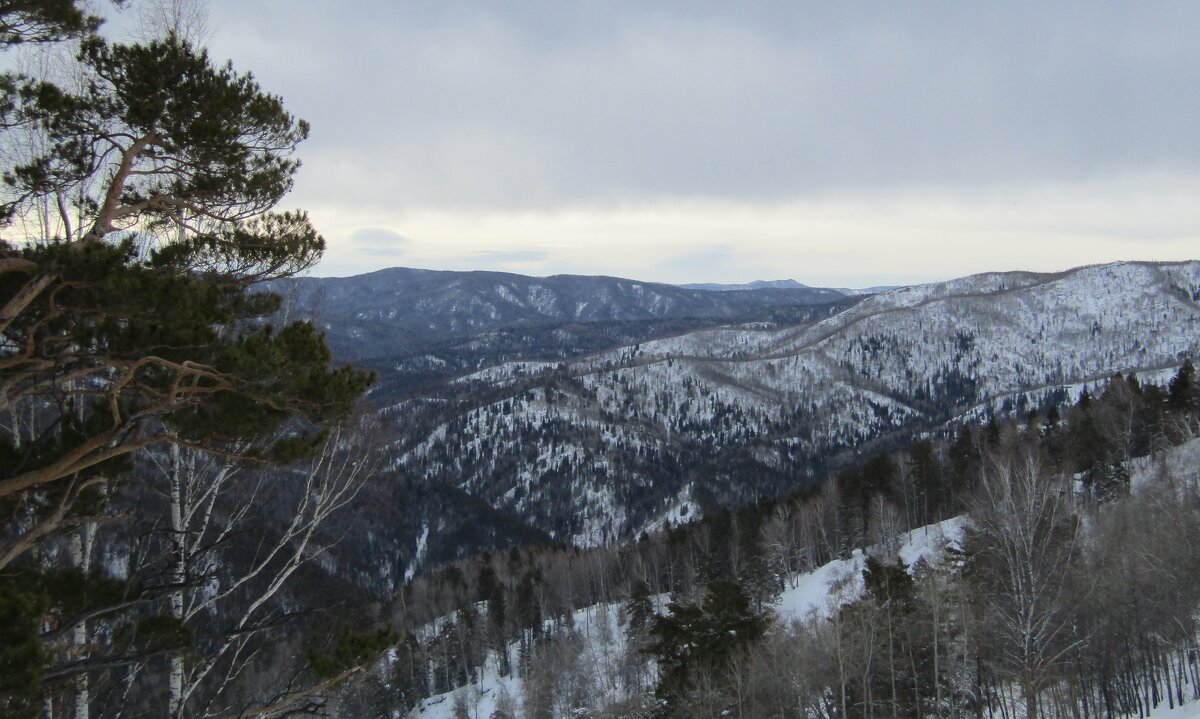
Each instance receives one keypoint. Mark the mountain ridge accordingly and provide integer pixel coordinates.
(726, 414)
(401, 312)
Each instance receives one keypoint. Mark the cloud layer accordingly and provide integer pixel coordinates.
(505, 111)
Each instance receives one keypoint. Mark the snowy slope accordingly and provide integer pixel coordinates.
(399, 311)
(610, 445)
(819, 593)
(1187, 711)
(808, 596)
(603, 634)
(603, 645)
(1181, 462)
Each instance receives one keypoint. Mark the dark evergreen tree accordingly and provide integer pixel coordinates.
(639, 609)
(1084, 443)
(31, 21)
(964, 462)
(691, 637)
(141, 327)
(1181, 392)
(134, 320)
(852, 502)
(528, 614)
(927, 477)
(486, 583)
(760, 582)
(22, 657)
(857, 489)
(889, 584)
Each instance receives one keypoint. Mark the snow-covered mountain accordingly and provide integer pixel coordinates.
(785, 284)
(625, 440)
(400, 311)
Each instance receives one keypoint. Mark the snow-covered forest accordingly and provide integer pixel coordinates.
(1039, 567)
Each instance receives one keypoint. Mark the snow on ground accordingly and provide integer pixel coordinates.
(1000, 342)
(684, 510)
(604, 644)
(814, 594)
(1191, 710)
(481, 698)
(419, 555)
(819, 593)
(1181, 462)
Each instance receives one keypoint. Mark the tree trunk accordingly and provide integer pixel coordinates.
(81, 550)
(178, 577)
(1029, 695)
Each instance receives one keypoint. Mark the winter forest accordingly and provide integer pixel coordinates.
(1041, 566)
(228, 489)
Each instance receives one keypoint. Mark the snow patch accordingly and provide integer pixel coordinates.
(819, 594)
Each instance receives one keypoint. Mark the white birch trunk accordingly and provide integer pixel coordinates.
(81, 555)
(200, 531)
(178, 575)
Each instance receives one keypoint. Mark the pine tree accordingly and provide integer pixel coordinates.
(1181, 392)
(22, 657)
(37, 21)
(964, 462)
(693, 639)
(639, 609)
(931, 493)
(132, 318)
(138, 325)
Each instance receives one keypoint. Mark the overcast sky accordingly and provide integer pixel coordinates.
(833, 143)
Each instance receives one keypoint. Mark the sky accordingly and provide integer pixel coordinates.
(837, 144)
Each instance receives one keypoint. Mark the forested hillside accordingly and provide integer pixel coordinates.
(1040, 567)
(622, 441)
(421, 328)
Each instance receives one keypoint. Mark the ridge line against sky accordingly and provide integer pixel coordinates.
(836, 144)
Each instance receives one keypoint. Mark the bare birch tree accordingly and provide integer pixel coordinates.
(221, 546)
(1022, 551)
(212, 506)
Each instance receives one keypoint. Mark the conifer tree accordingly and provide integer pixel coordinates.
(1181, 392)
(134, 235)
(927, 475)
(131, 321)
(698, 639)
(31, 21)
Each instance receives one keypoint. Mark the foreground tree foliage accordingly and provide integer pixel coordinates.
(137, 222)
(31, 21)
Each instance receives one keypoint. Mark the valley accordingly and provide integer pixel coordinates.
(607, 445)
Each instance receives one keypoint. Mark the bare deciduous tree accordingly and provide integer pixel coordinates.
(212, 507)
(1024, 541)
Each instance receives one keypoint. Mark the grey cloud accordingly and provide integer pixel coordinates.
(548, 104)
(381, 251)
